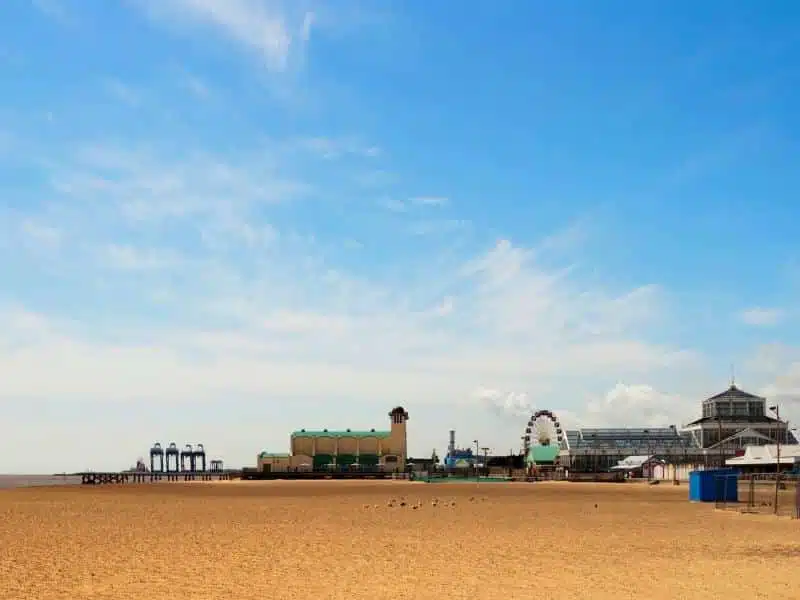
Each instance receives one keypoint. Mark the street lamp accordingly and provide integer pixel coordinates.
(777, 410)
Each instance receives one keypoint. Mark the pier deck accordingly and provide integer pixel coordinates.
(105, 478)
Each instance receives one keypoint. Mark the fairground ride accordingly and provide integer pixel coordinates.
(543, 440)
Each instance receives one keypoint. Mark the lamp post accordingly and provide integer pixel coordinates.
(777, 410)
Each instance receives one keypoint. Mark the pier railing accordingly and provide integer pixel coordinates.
(121, 477)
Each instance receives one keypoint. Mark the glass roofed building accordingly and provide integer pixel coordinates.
(734, 419)
(596, 449)
(730, 421)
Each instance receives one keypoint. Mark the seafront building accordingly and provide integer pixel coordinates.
(734, 419)
(731, 421)
(732, 424)
(323, 449)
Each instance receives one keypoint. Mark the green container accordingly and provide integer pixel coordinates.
(369, 460)
(321, 461)
(345, 460)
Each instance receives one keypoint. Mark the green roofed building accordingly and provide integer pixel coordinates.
(322, 449)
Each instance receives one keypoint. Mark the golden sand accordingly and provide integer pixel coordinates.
(337, 540)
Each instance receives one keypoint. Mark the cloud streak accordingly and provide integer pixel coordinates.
(52, 9)
(761, 317)
(298, 325)
(275, 31)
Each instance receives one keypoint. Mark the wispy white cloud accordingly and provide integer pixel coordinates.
(299, 326)
(779, 365)
(53, 9)
(623, 405)
(516, 405)
(415, 204)
(438, 226)
(762, 317)
(40, 235)
(197, 86)
(305, 30)
(374, 179)
(445, 307)
(131, 258)
(219, 234)
(637, 405)
(123, 92)
(276, 31)
(429, 201)
(353, 244)
(147, 184)
(785, 390)
(394, 205)
(332, 148)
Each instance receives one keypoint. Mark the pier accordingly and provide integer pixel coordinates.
(166, 464)
(92, 478)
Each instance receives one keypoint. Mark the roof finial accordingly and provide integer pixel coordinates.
(733, 377)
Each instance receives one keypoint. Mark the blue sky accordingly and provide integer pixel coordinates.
(221, 221)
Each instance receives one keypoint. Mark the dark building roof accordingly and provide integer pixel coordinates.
(736, 419)
(734, 392)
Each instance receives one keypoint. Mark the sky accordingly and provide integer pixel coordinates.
(221, 221)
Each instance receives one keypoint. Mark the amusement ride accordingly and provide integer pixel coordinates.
(542, 442)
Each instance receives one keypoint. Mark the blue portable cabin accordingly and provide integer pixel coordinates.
(715, 485)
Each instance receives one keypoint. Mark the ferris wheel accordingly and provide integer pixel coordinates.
(543, 429)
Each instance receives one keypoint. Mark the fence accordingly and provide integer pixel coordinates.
(761, 493)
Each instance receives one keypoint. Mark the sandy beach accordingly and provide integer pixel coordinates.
(337, 540)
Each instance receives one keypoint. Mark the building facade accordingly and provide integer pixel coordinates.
(735, 419)
(594, 449)
(326, 449)
(731, 421)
